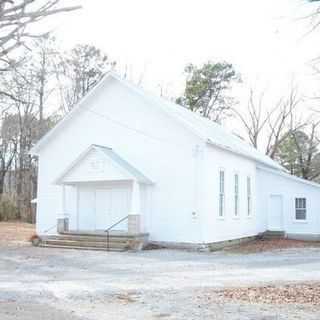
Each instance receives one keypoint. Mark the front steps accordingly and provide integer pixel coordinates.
(273, 234)
(95, 241)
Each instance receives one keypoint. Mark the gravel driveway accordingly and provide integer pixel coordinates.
(39, 283)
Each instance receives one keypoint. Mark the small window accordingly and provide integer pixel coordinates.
(221, 192)
(249, 209)
(236, 195)
(301, 208)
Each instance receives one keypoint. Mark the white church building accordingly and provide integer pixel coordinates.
(126, 161)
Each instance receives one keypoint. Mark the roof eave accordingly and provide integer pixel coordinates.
(290, 176)
(275, 166)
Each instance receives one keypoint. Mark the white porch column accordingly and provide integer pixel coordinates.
(134, 226)
(63, 219)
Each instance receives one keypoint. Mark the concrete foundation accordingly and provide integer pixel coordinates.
(203, 247)
(303, 236)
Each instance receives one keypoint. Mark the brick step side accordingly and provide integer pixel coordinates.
(103, 234)
(102, 239)
(75, 243)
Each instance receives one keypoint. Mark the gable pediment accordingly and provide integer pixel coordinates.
(100, 164)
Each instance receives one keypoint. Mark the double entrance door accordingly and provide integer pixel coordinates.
(100, 207)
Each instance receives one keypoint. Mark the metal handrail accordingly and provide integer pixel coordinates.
(55, 226)
(110, 228)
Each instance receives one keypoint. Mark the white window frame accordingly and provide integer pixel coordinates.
(305, 208)
(249, 196)
(236, 195)
(222, 193)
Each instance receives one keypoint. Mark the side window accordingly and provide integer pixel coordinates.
(301, 208)
(249, 196)
(221, 192)
(236, 195)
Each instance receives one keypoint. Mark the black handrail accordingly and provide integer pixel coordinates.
(55, 226)
(110, 228)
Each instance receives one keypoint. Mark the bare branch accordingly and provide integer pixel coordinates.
(17, 15)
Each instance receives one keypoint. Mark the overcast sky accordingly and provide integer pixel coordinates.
(265, 39)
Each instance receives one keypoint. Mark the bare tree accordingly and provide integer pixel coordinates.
(254, 121)
(314, 17)
(308, 153)
(283, 121)
(79, 71)
(273, 124)
(23, 83)
(8, 147)
(15, 18)
(42, 64)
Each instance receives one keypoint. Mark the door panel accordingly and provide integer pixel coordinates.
(119, 207)
(86, 209)
(103, 209)
(99, 208)
(275, 213)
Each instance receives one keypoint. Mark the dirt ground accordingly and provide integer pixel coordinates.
(237, 284)
(263, 245)
(15, 233)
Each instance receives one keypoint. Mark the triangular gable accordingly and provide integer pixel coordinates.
(100, 163)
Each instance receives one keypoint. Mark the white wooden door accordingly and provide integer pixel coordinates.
(119, 207)
(86, 209)
(275, 213)
(100, 208)
(103, 208)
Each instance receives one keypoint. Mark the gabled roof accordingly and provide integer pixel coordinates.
(126, 169)
(212, 133)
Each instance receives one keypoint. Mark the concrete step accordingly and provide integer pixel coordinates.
(92, 244)
(270, 234)
(98, 234)
(91, 241)
(80, 248)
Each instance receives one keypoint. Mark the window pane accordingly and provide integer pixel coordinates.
(301, 208)
(221, 194)
(248, 196)
(221, 181)
(301, 214)
(221, 200)
(236, 200)
(236, 192)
